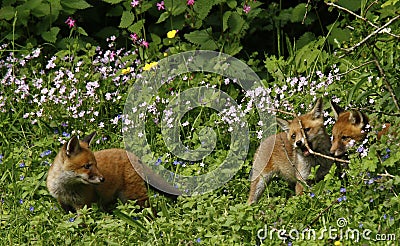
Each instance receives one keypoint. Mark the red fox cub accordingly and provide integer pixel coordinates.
(350, 127)
(81, 177)
(285, 153)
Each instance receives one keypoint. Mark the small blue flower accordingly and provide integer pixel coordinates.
(371, 181)
(360, 225)
(31, 208)
(312, 194)
(55, 131)
(1, 158)
(384, 216)
(64, 124)
(21, 165)
(45, 153)
(66, 134)
(22, 177)
(71, 219)
(387, 150)
(371, 200)
(21, 201)
(342, 190)
(385, 157)
(158, 162)
(198, 240)
(360, 149)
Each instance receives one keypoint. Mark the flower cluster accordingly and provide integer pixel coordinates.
(69, 87)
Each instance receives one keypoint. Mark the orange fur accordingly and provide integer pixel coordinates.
(285, 153)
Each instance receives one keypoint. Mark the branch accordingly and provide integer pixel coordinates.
(322, 212)
(354, 68)
(372, 34)
(360, 17)
(306, 142)
(317, 153)
(376, 111)
(387, 84)
(305, 14)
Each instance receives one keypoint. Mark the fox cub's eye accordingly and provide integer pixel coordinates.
(293, 136)
(87, 165)
(307, 129)
(346, 138)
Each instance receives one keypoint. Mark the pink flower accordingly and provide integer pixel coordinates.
(70, 22)
(145, 44)
(160, 5)
(134, 37)
(246, 8)
(135, 3)
(190, 2)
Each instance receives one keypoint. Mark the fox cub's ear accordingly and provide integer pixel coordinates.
(73, 146)
(336, 109)
(318, 110)
(88, 139)
(284, 124)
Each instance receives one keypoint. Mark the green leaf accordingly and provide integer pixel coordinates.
(126, 19)
(225, 19)
(352, 5)
(7, 13)
(236, 23)
(203, 7)
(202, 38)
(163, 17)
(135, 28)
(298, 13)
(81, 31)
(51, 35)
(231, 4)
(41, 10)
(113, 1)
(76, 4)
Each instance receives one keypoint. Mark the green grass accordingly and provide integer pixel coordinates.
(36, 121)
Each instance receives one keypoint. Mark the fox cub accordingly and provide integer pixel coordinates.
(80, 177)
(285, 153)
(350, 126)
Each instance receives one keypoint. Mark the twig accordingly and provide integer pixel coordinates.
(306, 143)
(317, 153)
(360, 17)
(386, 174)
(305, 14)
(372, 34)
(385, 80)
(354, 68)
(376, 111)
(322, 212)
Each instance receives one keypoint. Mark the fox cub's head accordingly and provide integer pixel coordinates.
(312, 124)
(350, 127)
(80, 162)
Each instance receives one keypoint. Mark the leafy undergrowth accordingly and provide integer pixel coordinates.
(45, 101)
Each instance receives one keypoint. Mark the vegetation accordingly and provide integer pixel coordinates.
(68, 67)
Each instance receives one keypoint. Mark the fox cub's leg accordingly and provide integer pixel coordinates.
(302, 173)
(257, 187)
